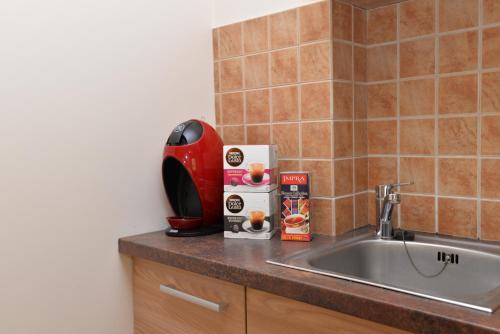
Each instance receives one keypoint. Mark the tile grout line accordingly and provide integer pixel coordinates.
(398, 100)
(354, 215)
(299, 78)
(333, 202)
(479, 118)
(436, 117)
(220, 85)
(243, 78)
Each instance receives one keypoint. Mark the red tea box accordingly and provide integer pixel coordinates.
(295, 192)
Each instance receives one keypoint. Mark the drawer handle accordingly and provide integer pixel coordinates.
(191, 299)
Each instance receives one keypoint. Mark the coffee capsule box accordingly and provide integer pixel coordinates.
(249, 215)
(294, 205)
(250, 168)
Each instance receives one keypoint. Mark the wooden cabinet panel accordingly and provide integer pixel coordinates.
(268, 313)
(157, 312)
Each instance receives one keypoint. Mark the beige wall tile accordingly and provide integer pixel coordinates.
(458, 94)
(458, 177)
(417, 97)
(315, 60)
(381, 100)
(343, 177)
(421, 172)
(286, 136)
(289, 165)
(458, 52)
(360, 138)
(258, 134)
(343, 100)
(342, 61)
(490, 221)
(417, 18)
(361, 209)
(215, 43)
(316, 139)
(344, 215)
(491, 11)
(360, 174)
(257, 71)
(490, 178)
(457, 217)
(381, 63)
(490, 95)
(216, 77)
(382, 171)
(417, 58)
(234, 135)
(321, 177)
(284, 66)
(417, 136)
(457, 14)
(360, 64)
(257, 106)
(315, 101)
(285, 103)
(255, 35)
(342, 21)
(360, 22)
(232, 108)
(417, 213)
(230, 40)
(343, 139)
(218, 113)
(283, 29)
(321, 216)
(381, 137)
(490, 135)
(314, 21)
(381, 24)
(231, 74)
(360, 102)
(491, 47)
(458, 136)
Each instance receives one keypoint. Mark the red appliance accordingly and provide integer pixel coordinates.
(193, 179)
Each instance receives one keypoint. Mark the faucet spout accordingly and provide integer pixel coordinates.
(385, 222)
(386, 200)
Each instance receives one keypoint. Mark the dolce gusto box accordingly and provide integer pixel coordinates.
(249, 215)
(295, 206)
(250, 168)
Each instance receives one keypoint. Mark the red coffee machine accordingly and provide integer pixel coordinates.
(193, 179)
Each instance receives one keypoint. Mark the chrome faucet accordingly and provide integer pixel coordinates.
(386, 199)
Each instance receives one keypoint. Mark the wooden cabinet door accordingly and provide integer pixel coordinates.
(168, 300)
(268, 313)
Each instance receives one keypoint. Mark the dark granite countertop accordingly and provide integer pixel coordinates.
(243, 262)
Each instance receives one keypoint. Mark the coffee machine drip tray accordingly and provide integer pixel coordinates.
(203, 230)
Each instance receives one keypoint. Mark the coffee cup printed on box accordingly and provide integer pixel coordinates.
(294, 202)
(250, 168)
(249, 215)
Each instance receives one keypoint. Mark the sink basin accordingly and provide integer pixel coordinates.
(466, 273)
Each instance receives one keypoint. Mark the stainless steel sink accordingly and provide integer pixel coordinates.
(470, 278)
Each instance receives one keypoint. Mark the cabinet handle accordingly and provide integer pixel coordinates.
(191, 299)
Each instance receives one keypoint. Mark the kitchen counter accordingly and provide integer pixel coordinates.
(243, 262)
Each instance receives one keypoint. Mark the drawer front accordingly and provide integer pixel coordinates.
(268, 313)
(171, 300)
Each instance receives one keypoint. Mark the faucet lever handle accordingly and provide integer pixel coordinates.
(402, 184)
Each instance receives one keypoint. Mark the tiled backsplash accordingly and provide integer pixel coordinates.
(404, 92)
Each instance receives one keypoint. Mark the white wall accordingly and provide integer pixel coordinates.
(231, 11)
(89, 91)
